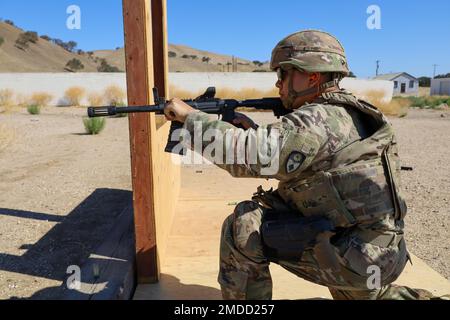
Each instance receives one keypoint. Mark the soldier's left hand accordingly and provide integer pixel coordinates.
(177, 110)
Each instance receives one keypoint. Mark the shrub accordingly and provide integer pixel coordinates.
(114, 95)
(9, 22)
(31, 36)
(74, 65)
(74, 95)
(121, 115)
(41, 99)
(106, 67)
(34, 109)
(1, 41)
(6, 96)
(95, 99)
(94, 125)
(172, 54)
(22, 42)
(45, 37)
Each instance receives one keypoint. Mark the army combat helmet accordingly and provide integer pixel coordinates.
(310, 51)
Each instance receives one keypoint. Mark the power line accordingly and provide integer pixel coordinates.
(434, 70)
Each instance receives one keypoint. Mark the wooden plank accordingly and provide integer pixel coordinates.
(160, 46)
(139, 67)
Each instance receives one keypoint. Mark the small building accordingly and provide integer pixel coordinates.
(404, 83)
(440, 87)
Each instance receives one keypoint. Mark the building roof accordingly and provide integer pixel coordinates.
(392, 76)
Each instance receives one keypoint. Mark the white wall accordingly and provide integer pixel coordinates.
(440, 87)
(25, 84)
(406, 80)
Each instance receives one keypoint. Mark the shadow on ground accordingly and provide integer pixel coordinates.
(170, 288)
(70, 241)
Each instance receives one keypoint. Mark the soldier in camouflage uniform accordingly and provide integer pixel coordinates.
(337, 161)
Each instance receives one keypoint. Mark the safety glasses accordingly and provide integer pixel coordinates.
(282, 72)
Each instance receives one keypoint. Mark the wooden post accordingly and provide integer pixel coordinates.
(146, 65)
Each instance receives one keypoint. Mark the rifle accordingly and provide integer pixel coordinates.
(207, 102)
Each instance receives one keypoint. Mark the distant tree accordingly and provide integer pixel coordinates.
(45, 37)
(440, 76)
(9, 22)
(118, 48)
(74, 65)
(185, 56)
(23, 40)
(1, 41)
(424, 82)
(352, 75)
(106, 67)
(172, 54)
(70, 46)
(58, 42)
(257, 63)
(32, 36)
(219, 64)
(193, 57)
(206, 59)
(80, 52)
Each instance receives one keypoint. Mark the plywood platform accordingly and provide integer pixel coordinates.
(190, 267)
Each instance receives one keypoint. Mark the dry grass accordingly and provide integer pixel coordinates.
(396, 107)
(74, 95)
(6, 136)
(40, 99)
(22, 100)
(6, 97)
(114, 95)
(95, 99)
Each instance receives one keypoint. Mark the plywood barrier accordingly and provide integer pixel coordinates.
(166, 175)
(154, 176)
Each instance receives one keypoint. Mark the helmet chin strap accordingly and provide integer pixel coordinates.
(293, 95)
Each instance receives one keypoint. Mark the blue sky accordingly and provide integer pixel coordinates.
(414, 35)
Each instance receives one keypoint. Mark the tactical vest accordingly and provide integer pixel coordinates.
(361, 184)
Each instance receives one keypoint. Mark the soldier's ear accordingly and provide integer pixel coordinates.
(314, 78)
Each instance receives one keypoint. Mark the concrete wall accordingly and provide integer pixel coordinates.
(25, 84)
(440, 87)
(406, 80)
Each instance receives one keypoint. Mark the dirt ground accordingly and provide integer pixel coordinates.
(60, 191)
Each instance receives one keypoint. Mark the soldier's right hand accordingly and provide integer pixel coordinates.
(244, 121)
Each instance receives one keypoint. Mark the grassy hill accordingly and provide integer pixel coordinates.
(45, 56)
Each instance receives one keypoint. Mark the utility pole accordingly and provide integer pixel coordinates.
(434, 70)
(378, 67)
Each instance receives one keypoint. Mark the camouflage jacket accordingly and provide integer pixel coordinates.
(337, 145)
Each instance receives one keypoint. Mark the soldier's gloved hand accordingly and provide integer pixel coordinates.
(177, 110)
(244, 121)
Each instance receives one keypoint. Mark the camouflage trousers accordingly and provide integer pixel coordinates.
(244, 268)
